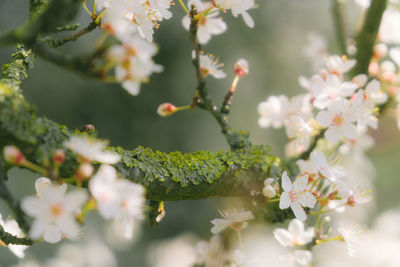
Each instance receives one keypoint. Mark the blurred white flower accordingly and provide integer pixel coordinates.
(296, 235)
(339, 65)
(351, 234)
(389, 32)
(91, 149)
(54, 211)
(296, 195)
(211, 253)
(210, 66)
(239, 7)
(233, 218)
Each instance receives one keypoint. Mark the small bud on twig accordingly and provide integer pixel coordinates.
(13, 155)
(166, 109)
(59, 156)
(241, 67)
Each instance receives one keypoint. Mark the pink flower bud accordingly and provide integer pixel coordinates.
(59, 156)
(166, 109)
(13, 155)
(241, 67)
(84, 171)
(380, 51)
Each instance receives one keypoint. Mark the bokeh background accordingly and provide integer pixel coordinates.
(274, 49)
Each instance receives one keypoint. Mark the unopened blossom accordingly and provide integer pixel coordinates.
(166, 109)
(53, 210)
(339, 120)
(339, 65)
(380, 51)
(241, 67)
(236, 219)
(13, 155)
(269, 190)
(117, 199)
(11, 226)
(351, 234)
(331, 89)
(91, 149)
(58, 156)
(296, 235)
(208, 25)
(318, 166)
(296, 196)
(210, 66)
(238, 7)
(297, 258)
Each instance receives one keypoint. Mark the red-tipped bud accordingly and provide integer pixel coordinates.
(241, 67)
(380, 51)
(166, 109)
(59, 156)
(13, 155)
(84, 171)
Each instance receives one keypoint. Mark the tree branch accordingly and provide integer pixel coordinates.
(368, 35)
(11, 239)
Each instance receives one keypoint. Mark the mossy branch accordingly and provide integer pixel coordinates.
(338, 10)
(7, 239)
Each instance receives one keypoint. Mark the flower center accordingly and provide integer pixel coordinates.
(338, 120)
(237, 226)
(56, 210)
(293, 195)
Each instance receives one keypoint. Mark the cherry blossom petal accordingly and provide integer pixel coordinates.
(300, 184)
(286, 183)
(298, 211)
(284, 203)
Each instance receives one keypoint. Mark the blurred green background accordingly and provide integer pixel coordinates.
(274, 49)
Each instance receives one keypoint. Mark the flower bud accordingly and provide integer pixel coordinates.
(269, 191)
(241, 67)
(380, 51)
(84, 171)
(13, 155)
(59, 156)
(166, 109)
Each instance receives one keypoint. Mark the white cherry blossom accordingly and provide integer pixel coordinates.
(296, 235)
(208, 25)
(53, 210)
(233, 218)
(339, 120)
(239, 7)
(296, 196)
(339, 65)
(210, 66)
(351, 234)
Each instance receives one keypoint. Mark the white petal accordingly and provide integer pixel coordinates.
(324, 118)
(333, 134)
(219, 225)
(68, 226)
(247, 19)
(34, 206)
(303, 257)
(298, 211)
(41, 185)
(296, 227)
(284, 203)
(38, 228)
(283, 236)
(53, 234)
(286, 183)
(300, 184)
(75, 199)
(307, 200)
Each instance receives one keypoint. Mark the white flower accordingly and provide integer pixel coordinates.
(208, 25)
(296, 195)
(277, 109)
(54, 211)
(296, 235)
(297, 258)
(395, 55)
(332, 88)
(212, 253)
(241, 67)
(374, 93)
(339, 65)
(319, 165)
(210, 66)
(339, 120)
(239, 7)
(117, 198)
(366, 112)
(91, 149)
(233, 218)
(351, 234)
(11, 227)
